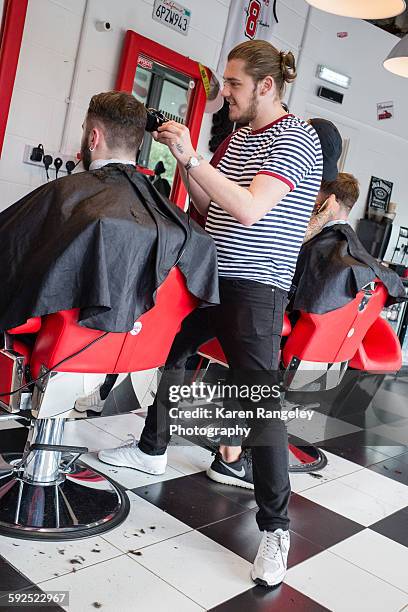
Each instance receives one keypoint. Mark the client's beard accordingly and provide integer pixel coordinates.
(85, 155)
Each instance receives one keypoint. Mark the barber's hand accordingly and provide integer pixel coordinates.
(177, 137)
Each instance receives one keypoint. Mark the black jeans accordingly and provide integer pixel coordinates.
(248, 324)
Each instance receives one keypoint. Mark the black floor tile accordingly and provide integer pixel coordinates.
(403, 458)
(13, 440)
(396, 384)
(241, 535)
(392, 468)
(394, 527)
(362, 447)
(189, 501)
(11, 579)
(281, 599)
(318, 524)
(243, 497)
(37, 608)
(372, 417)
(392, 450)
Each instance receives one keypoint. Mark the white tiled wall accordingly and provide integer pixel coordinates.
(43, 80)
(49, 56)
(377, 148)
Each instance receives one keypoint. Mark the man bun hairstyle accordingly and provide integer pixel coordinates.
(345, 187)
(123, 119)
(263, 59)
(288, 66)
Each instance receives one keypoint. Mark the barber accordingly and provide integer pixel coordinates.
(258, 201)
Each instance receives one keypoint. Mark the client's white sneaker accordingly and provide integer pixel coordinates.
(270, 563)
(129, 455)
(92, 401)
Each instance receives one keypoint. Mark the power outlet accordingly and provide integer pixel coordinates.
(26, 159)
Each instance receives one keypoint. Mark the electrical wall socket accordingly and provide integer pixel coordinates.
(26, 159)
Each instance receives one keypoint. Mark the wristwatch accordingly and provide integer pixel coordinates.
(193, 162)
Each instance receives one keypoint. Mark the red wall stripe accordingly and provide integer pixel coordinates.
(10, 42)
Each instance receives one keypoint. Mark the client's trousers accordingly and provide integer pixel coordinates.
(248, 324)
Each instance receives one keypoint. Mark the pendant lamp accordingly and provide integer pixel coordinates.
(397, 60)
(362, 9)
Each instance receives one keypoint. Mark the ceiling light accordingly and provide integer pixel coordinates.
(331, 76)
(362, 9)
(397, 60)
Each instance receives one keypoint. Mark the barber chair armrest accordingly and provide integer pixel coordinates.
(31, 326)
(287, 326)
(380, 350)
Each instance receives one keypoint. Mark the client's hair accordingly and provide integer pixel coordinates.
(123, 119)
(345, 187)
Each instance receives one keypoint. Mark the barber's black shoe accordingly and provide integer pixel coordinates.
(238, 473)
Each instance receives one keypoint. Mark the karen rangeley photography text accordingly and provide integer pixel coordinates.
(220, 418)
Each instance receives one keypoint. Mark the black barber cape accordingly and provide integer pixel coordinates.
(101, 241)
(332, 267)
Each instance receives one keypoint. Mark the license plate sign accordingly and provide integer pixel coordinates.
(172, 15)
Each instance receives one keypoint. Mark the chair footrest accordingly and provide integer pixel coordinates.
(59, 448)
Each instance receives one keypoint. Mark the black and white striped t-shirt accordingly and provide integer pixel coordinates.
(287, 149)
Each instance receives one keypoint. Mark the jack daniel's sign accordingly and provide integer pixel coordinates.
(379, 194)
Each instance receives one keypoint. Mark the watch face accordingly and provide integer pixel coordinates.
(194, 162)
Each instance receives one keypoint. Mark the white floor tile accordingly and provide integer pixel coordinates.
(379, 487)
(200, 568)
(121, 425)
(320, 427)
(84, 433)
(349, 502)
(335, 468)
(187, 458)
(119, 585)
(342, 587)
(44, 560)
(127, 477)
(378, 555)
(145, 525)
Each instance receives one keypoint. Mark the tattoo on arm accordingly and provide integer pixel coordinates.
(316, 224)
(179, 148)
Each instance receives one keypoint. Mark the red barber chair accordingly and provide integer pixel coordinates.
(46, 493)
(319, 348)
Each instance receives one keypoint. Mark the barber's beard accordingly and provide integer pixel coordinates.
(250, 113)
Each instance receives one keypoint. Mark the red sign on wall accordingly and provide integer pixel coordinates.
(385, 110)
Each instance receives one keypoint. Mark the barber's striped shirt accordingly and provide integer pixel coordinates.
(289, 150)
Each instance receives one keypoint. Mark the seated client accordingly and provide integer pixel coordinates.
(102, 240)
(333, 265)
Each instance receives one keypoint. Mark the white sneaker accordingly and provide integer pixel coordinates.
(129, 455)
(270, 563)
(92, 401)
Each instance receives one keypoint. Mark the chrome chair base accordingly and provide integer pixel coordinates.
(79, 504)
(305, 459)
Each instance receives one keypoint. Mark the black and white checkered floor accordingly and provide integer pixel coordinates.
(188, 543)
